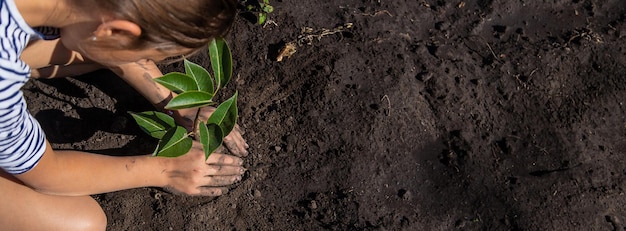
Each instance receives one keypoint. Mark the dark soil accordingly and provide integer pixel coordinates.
(405, 115)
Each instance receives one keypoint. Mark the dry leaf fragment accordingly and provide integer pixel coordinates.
(287, 51)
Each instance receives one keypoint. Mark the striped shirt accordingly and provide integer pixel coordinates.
(22, 142)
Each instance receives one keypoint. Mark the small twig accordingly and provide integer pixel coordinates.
(378, 13)
(492, 53)
(269, 21)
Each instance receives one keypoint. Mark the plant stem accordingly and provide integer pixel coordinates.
(195, 123)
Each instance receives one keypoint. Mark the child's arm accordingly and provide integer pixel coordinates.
(50, 58)
(80, 173)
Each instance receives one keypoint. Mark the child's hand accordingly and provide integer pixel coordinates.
(192, 175)
(140, 74)
(233, 141)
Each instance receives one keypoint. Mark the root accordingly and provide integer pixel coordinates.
(307, 36)
(378, 13)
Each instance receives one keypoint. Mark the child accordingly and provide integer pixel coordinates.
(46, 189)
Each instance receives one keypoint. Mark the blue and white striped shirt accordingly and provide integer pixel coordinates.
(22, 142)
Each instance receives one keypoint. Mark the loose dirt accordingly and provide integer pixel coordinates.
(419, 115)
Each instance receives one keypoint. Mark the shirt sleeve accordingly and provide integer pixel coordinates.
(22, 141)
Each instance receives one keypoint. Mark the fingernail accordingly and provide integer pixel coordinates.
(237, 179)
(242, 170)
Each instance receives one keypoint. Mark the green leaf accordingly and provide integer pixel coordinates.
(211, 137)
(177, 82)
(262, 18)
(221, 62)
(175, 142)
(225, 115)
(154, 123)
(268, 9)
(201, 76)
(190, 99)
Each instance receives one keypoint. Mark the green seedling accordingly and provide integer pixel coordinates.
(262, 9)
(195, 89)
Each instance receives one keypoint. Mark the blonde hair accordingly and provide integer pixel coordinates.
(169, 23)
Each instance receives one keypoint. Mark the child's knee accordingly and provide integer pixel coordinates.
(97, 221)
(79, 213)
(89, 217)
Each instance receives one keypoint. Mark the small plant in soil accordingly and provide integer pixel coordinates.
(261, 8)
(195, 89)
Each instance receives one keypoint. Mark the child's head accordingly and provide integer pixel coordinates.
(166, 24)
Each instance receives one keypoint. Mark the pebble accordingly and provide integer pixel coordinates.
(257, 193)
(313, 205)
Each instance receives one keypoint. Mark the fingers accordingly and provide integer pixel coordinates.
(224, 160)
(214, 181)
(210, 180)
(218, 177)
(239, 130)
(224, 170)
(212, 191)
(200, 191)
(234, 141)
(214, 185)
(236, 146)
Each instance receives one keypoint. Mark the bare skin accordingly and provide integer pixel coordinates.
(70, 213)
(51, 59)
(54, 194)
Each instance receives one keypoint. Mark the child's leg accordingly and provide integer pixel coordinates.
(22, 208)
